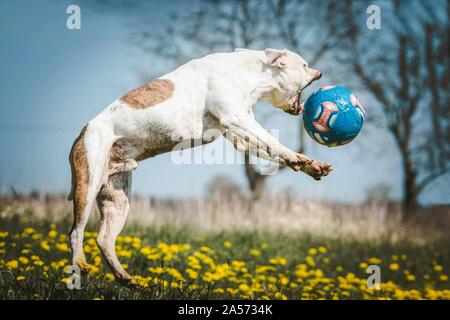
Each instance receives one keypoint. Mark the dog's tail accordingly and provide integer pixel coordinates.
(87, 158)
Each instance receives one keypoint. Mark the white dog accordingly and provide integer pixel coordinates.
(216, 91)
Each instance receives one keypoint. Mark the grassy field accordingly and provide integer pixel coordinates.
(187, 263)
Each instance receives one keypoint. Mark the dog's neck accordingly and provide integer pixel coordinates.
(257, 76)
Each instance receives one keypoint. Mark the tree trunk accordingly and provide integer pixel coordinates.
(255, 180)
(410, 190)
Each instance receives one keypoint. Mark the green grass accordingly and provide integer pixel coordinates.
(337, 273)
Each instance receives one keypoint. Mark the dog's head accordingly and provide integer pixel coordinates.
(292, 74)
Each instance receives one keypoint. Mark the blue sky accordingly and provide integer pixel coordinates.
(54, 80)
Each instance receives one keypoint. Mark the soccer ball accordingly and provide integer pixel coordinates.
(333, 116)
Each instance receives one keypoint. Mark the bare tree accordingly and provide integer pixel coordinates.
(405, 67)
(217, 25)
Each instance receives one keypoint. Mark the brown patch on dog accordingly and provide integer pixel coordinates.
(117, 154)
(151, 153)
(80, 175)
(149, 94)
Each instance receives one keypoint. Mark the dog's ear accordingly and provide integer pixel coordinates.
(275, 58)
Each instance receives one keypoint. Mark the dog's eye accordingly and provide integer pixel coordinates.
(305, 65)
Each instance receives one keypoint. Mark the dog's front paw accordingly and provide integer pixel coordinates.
(125, 280)
(317, 170)
(299, 162)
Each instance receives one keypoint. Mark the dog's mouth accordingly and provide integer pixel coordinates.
(298, 105)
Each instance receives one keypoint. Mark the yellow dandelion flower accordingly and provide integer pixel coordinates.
(3, 234)
(128, 239)
(146, 250)
(438, 268)
(63, 263)
(97, 261)
(52, 233)
(28, 230)
(244, 287)
(227, 244)
(157, 270)
(284, 280)
(136, 245)
(194, 263)
(255, 252)
(278, 260)
(312, 251)
(323, 249)
(375, 260)
(94, 269)
(363, 265)
(44, 245)
(24, 260)
(38, 263)
(62, 247)
(301, 273)
(280, 296)
(308, 288)
(394, 266)
(154, 256)
(175, 273)
(185, 247)
(318, 273)
(310, 261)
(410, 277)
(205, 249)
(36, 236)
(443, 277)
(232, 291)
(124, 253)
(109, 276)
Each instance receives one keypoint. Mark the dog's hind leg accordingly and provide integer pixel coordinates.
(88, 161)
(114, 202)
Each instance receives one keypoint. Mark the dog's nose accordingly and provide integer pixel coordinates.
(317, 75)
